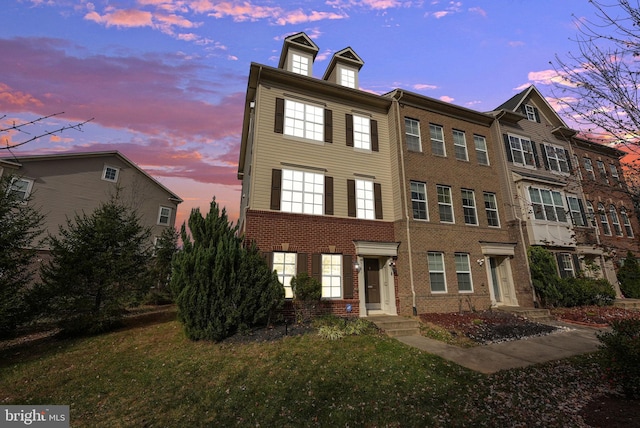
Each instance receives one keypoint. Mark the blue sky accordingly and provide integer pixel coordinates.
(165, 80)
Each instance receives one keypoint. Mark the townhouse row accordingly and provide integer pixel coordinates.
(404, 204)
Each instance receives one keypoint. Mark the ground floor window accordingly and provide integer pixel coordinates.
(463, 272)
(436, 272)
(285, 266)
(332, 275)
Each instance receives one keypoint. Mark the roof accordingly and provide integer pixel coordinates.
(299, 41)
(18, 160)
(346, 56)
(515, 104)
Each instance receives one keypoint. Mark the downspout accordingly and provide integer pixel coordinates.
(515, 211)
(403, 196)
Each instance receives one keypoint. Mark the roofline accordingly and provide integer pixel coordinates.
(68, 155)
(613, 151)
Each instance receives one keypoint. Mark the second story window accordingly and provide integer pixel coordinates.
(591, 214)
(522, 151)
(626, 222)
(576, 211)
(481, 149)
(614, 174)
(615, 221)
(361, 133)
(556, 158)
(588, 166)
(364, 200)
(303, 120)
(603, 171)
(547, 205)
(164, 216)
(460, 145)
(437, 140)
(302, 192)
(21, 188)
(603, 220)
(412, 135)
(110, 173)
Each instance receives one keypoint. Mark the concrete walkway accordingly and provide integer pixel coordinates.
(570, 340)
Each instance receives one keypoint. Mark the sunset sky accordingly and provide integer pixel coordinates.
(165, 80)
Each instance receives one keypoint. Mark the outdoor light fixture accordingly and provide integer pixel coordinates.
(356, 266)
(480, 261)
(392, 265)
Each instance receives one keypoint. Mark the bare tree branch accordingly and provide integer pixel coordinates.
(21, 128)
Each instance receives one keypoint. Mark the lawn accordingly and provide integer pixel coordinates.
(151, 375)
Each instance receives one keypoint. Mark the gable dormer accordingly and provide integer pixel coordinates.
(298, 54)
(343, 68)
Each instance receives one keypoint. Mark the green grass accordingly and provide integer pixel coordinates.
(153, 376)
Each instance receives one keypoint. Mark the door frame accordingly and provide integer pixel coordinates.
(386, 253)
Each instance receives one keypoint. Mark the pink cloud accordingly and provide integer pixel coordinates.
(479, 11)
(122, 18)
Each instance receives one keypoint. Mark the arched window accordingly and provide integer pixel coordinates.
(626, 222)
(603, 220)
(614, 220)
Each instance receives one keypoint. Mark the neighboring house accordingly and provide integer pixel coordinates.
(609, 206)
(63, 185)
(315, 165)
(457, 248)
(547, 196)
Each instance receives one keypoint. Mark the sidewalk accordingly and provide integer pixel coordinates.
(570, 340)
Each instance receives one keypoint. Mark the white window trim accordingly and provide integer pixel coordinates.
(332, 276)
(552, 156)
(567, 264)
(531, 112)
(444, 146)
(602, 169)
(341, 77)
(297, 125)
(604, 219)
(443, 272)
(474, 207)
(588, 166)
(365, 200)
(302, 193)
(27, 191)
(298, 70)
(104, 173)
(464, 272)
(626, 222)
(426, 205)
(407, 133)
(591, 215)
(522, 150)
(573, 214)
(450, 204)
(476, 139)
(168, 223)
(460, 144)
(615, 220)
(487, 209)
(361, 133)
(553, 204)
(284, 277)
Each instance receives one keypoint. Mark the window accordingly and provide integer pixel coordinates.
(364, 200)
(521, 151)
(300, 64)
(303, 120)
(437, 140)
(445, 207)
(463, 272)
(531, 113)
(576, 166)
(332, 275)
(481, 149)
(412, 134)
(491, 207)
(302, 192)
(566, 265)
(419, 200)
(547, 205)
(21, 188)
(469, 207)
(361, 133)
(576, 212)
(556, 158)
(437, 279)
(460, 145)
(110, 173)
(285, 266)
(603, 171)
(591, 214)
(614, 220)
(603, 220)
(348, 77)
(588, 166)
(164, 216)
(614, 174)
(626, 222)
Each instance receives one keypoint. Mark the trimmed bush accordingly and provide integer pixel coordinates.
(307, 293)
(544, 276)
(585, 292)
(621, 355)
(629, 277)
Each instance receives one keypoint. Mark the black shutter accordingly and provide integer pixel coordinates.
(543, 149)
(583, 213)
(276, 186)
(278, 127)
(316, 266)
(351, 198)
(374, 136)
(328, 195)
(563, 273)
(268, 258)
(301, 263)
(507, 147)
(535, 154)
(377, 200)
(576, 264)
(347, 277)
(328, 126)
(349, 126)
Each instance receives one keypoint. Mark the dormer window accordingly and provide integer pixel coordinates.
(347, 77)
(531, 114)
(300, 64)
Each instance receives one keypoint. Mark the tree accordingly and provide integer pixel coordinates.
(220, 286)
(544, 275)
(164, 250)
(20, 227)
(99, 265)
(629, 277)
(599, 84)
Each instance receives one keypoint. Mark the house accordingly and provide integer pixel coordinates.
(316, 171)
(458, 248)
(546, 192)
(609, 206)
(65, 184)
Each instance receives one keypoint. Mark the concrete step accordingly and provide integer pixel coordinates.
(395, 326)
(627, 303)
(531, 314)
